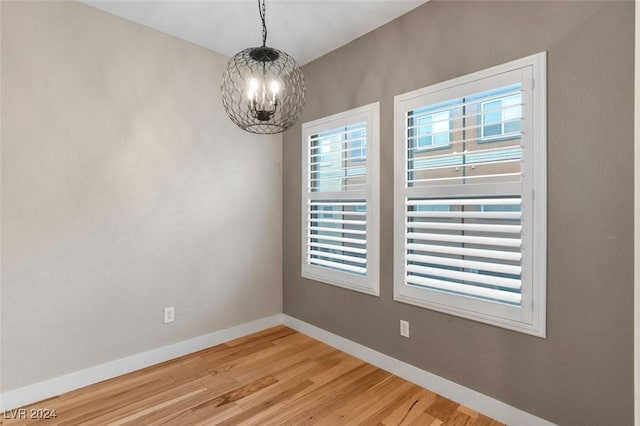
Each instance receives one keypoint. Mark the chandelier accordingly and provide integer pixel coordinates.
(262, 87)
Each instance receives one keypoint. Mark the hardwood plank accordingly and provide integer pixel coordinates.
(442, 408)
(459, 419)
(485, 421)
(270, 334)
(318, 393)
(411, 409)
(249, 368)
(401, 396)
(423, 419)
(237, 394)
(372, 405)
(182, 409)
(273, 377)
(113, 412)
(273, 402)
(323, 407)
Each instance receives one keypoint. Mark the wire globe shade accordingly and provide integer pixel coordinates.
(263, 90)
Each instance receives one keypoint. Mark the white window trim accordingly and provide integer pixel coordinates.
(369, 284)
(532, 319)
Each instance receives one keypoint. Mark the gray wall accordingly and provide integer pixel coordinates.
(582, 374)
(125, 188)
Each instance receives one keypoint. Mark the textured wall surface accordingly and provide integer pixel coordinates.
(582, 374)
(125, 188)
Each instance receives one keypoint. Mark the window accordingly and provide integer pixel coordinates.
(358, 139)
(501, 116)
(470, 227)
(324, 151)
(432, 129)
(340, 224)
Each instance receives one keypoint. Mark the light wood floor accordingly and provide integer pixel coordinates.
(275, 377)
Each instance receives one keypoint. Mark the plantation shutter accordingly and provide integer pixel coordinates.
(337, 207)
(463, 234)
(470, 156)
(472, 247)
(337, 215)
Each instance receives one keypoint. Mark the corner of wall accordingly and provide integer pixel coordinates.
(636, 168)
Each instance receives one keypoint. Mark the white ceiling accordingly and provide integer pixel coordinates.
(305, 29)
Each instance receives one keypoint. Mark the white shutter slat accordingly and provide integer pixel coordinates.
(465, 276)
(506, 229)
(337, 230)
(338, 203)
(466, 202)
(465, 215)
(469, 264)
(353, 259)
(317, 220)
(464, 239)
(338, 239)
(464, 178)
(464, 251)
(353, 189)
(470, 290)
(340, 248)
(338, 213)
(339, 266)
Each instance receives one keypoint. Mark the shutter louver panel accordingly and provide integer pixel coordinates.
(340, 199)
(473, 139)
(467, 246)
(337, 160)
(337, 235)
(337, 229)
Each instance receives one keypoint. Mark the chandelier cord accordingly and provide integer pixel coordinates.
(262, 8)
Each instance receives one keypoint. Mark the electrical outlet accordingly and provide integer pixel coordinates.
(404, 328)
(169, 314)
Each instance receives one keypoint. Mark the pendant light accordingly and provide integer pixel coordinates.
(262, 87)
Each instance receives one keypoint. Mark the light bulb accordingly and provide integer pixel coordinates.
(253, 88)
(275, 87)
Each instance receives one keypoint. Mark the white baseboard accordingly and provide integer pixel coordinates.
(59, 385)
(458, 393)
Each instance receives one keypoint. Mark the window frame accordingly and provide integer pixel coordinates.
(369, 114)
(530, 316)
